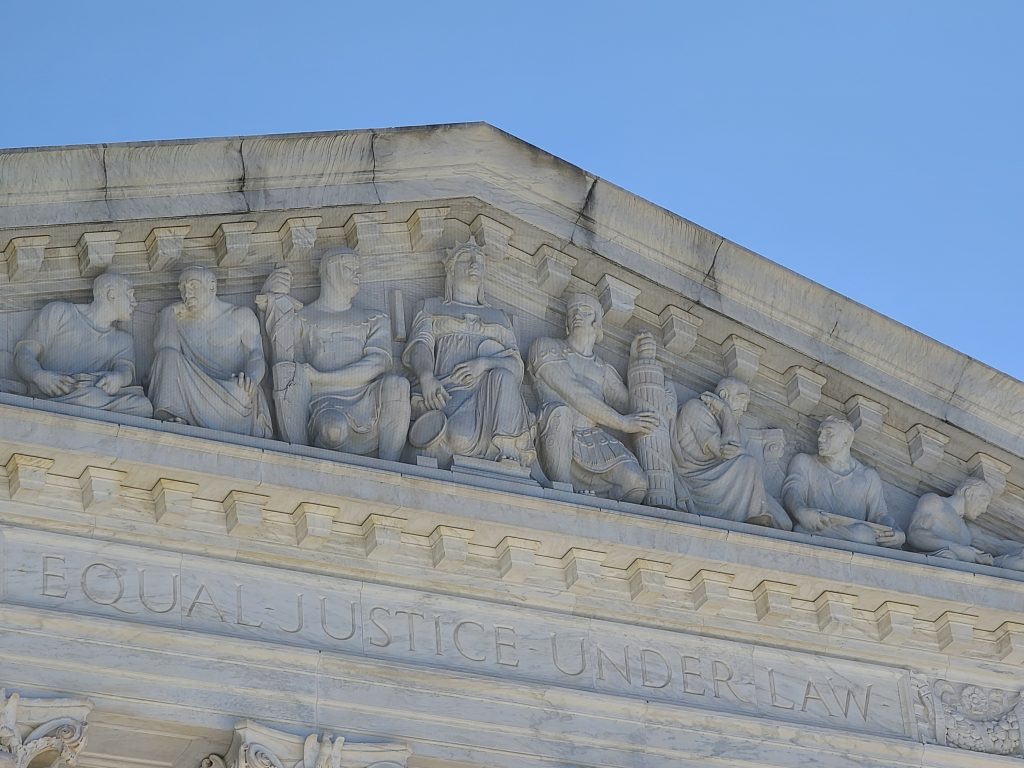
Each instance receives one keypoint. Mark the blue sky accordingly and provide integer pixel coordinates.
(875, 147)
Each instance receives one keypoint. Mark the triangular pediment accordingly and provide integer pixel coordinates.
(291, 576)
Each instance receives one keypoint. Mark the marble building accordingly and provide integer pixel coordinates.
(424, 448)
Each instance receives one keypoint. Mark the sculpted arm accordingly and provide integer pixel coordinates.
(419, 358)
(557, 375)
(715, 426)
(167, 329)
(255, 367)
(508, 358)
(926, 531)
(795, 495)
(995, 545)
(615, 392)
(375, 362)
(28, 351)
(878, 513)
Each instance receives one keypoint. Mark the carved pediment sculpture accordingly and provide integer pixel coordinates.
(76, 354)
(467, 400)
(832, 494)
(971, 717)
(940, 526)
(582, 398)
(723, 475)
(209, 361)
(41, 732)
(259, 746)
(331, 364)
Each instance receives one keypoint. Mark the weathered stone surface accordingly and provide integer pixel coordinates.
(230, 596)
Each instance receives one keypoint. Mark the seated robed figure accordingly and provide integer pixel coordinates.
(331, 364)
(832, 494)
(940, 526)
(209, 361)
(582, 397)
(467, 399)
(715, 463)
(75, 354)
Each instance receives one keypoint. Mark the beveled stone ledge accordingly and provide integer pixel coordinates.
(321, 514)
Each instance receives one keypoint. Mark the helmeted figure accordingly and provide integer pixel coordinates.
(75, 354)
(582, 397)
(467, 399)
(209, 361)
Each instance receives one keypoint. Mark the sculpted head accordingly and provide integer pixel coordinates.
(977, 495)
(584, 317)
(736, 393)
(340, 272)
(465, 269)
(198, 287)
(835, 436)
(114, 290)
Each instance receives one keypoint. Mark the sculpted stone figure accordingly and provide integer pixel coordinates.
(582, 397)
(74, 354)
(715, 464)
(463, 352)
(938, 527)
(332, 358)
(832, 494)
(209, 361)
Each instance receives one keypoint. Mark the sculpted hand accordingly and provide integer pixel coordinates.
(890, 537)
(641, 423)
(279, 281)
(248, 385)
(813, 520)
(313, 376)
(435, 397)
(110, 383)
(714, 403)
(731, 451)
(471, 370)
(644, 347)
(983, 558)
(54, 384)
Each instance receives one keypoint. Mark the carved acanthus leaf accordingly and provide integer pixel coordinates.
(258, 746)
(54, 728)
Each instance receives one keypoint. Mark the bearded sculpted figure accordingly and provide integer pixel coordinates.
(832, 494)
(76, 354)
(332, 361)
(582, 397)
(940, 527)
(463, 353)
(715, 463)
(209, 361)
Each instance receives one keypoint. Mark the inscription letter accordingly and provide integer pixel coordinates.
(457, 637)
(373, 620)
(62, 590)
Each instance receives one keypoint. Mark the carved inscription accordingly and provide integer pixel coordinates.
(523, 644)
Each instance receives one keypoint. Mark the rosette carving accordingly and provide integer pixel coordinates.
(967, 716)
